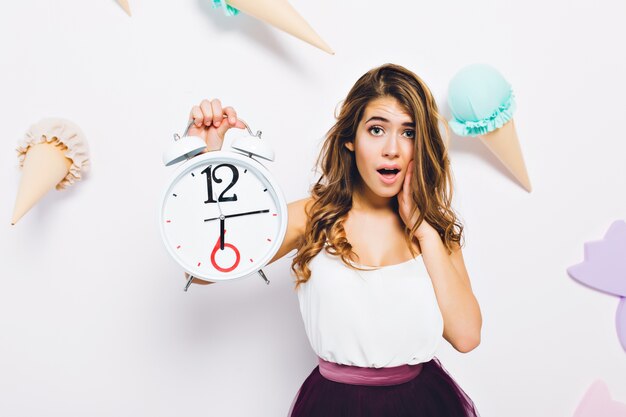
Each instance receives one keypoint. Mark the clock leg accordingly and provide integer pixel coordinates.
(267, 281)
(188, 282)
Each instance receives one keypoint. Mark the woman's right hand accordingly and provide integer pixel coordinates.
(211, 122)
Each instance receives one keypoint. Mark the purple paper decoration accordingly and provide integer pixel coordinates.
(620, 322)
(597, 402)
(604, 269)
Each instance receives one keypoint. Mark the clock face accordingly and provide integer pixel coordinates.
(221, 216)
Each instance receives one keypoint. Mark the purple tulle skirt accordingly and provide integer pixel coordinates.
(424, 390)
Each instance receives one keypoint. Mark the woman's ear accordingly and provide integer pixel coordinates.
(350, 146)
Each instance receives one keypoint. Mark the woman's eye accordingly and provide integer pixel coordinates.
(376, 130)
(409, 134)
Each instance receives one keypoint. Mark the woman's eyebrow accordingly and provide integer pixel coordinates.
(382, 119)
(377, 118)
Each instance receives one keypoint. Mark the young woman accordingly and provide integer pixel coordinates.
(379, 270)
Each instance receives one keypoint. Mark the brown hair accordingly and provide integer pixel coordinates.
(431, 183)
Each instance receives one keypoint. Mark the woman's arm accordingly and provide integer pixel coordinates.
(296, 225)
(461, 314)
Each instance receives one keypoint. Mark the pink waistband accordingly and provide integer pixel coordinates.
(357, 375)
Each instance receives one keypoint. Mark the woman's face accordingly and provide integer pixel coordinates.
(383, 146)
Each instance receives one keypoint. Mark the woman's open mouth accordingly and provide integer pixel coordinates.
(388, 176)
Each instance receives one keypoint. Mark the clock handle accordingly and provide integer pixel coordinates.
(267, 281)
(256, 135)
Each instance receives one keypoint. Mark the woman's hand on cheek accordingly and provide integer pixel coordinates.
(406, 206)
(405, 202)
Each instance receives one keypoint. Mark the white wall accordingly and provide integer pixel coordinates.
(93, 319)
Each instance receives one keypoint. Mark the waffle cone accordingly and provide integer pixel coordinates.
(125, 6)
(45, 165)
(280, 14)
(504, 144)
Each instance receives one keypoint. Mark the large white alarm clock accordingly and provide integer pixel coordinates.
(222, 215)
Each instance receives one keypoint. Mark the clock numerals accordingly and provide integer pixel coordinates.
(211, 176)
(220, 244)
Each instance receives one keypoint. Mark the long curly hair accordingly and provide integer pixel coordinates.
(431, 183)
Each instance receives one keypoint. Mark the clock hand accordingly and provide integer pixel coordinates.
(239, 214)
(222, 223)
(218, 206)
(222, 231)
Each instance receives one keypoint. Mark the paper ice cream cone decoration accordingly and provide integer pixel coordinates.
(125, 6)
(482, 105)
(45, 165)
(280, 14)
(504, 144)
(228, 10)
(597, 402)
(604, 269)
(53, 154)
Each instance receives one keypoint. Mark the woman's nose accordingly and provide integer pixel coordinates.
(390, 149)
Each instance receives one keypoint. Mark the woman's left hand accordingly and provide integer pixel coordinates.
(406, 204)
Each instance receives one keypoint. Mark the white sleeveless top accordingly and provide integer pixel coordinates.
(379, 318)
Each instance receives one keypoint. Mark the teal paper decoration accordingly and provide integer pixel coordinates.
(228, 10)
(481, 100)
